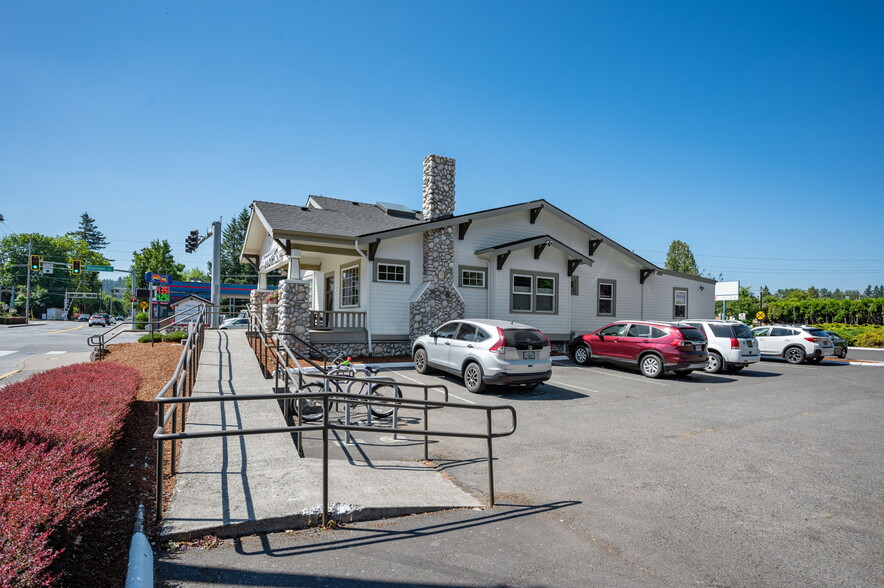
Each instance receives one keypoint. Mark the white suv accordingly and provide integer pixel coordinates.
(485, 351)
(794, 343)
(732, 346)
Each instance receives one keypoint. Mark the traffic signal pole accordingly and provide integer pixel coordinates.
(216, 273)
(28, 295)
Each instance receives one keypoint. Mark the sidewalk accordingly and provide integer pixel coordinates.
(240, 485)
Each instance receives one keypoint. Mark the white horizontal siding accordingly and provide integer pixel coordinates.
(659, 297)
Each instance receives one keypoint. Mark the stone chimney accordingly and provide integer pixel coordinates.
(438, 187)
(438, 300)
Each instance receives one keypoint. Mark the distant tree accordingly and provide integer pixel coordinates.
(195, 274)
(869, 292)
(825, 293)
(813, 293)
(879, 292)
(748, 303)
(680, 259)
(233, 237)
(852, 294)
(90, 233)
(838, 294)
(156, 258)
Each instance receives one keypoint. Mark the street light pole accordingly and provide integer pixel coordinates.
(28, 294)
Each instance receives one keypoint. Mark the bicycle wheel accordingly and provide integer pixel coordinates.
(312, 407)
(387, 391)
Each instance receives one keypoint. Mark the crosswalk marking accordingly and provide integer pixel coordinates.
(55, 352)
(2, 353)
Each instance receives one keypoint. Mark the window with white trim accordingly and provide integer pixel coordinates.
(607, 297)
(679, 303)
(391, 272)
(350, 286)
(532, 292)
(472, 277)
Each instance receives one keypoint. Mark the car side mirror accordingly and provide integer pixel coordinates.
(434, 334)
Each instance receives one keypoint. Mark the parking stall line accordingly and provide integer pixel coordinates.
(423, 383)
(571, 386)
(645, 380)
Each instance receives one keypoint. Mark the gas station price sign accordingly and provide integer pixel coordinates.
(162, 294)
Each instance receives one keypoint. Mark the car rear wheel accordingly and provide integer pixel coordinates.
(795, 355)
(420, 361)
(582, 355)
(651, 366)
(715, 363)
(843, 353)
(472, 378)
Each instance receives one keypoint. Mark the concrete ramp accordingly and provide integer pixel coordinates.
(241, 485)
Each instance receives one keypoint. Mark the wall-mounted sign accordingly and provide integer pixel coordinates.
(272, 258)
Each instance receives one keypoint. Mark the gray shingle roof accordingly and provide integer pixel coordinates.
(332, 217)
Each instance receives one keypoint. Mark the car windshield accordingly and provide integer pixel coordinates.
(692, 334)
(519, 338)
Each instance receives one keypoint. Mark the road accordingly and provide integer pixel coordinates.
(770, 477)
(25, 350)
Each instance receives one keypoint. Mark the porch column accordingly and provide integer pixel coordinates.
(295, 265)
(262, 280)
(294, 312)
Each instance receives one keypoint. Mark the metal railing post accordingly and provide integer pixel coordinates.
(325, 409)
(490, 462)
(426, 425)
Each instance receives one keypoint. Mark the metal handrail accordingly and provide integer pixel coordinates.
(281, 354)
(181, 385)
(101, 340)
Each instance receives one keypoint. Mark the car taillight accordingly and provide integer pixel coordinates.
(735, 343)
(500, 346)
(815, 339)
(548, 342)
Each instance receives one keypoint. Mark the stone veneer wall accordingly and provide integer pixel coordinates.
(257, 300)
(271, 317)
(294, 311)
(378, 349)
(439, 301)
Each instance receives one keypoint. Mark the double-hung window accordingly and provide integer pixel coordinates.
(471, 277)
(350, 286)
(679, 303)
(607, 297)
(532, 292)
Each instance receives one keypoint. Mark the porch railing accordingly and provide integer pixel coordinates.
(337, 319)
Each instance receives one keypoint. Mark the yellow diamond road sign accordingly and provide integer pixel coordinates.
(760, 315)
(144, 305)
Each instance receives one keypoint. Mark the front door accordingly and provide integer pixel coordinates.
(330, 293)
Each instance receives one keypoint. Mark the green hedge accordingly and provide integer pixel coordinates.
(857, 335)
(173, 337)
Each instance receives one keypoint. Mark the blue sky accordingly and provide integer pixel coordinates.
(753, 131)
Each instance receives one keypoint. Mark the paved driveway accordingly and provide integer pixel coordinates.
(772, 477)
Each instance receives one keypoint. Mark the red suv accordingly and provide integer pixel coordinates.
(655, 347)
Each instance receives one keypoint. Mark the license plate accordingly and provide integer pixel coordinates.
(748, 343)
(528, 355)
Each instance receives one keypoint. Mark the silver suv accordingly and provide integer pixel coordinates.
(732, 346)
(485, 352)
(794, 343)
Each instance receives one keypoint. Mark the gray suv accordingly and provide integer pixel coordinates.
(794, 343)
(732, 346)
(485, 351)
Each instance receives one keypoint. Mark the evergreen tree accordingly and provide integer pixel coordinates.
(89, 232)
(680, 259)
(233, 237)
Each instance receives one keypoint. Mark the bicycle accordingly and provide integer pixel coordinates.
(313, 407)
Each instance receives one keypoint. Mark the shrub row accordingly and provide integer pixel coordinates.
(828, 310)
(857, 335)
(57, 429)
(173, 337)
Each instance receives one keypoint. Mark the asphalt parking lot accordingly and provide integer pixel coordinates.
(770, 477)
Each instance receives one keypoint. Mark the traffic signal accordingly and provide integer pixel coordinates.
(75, 266)
(35, 263)
(192, 241)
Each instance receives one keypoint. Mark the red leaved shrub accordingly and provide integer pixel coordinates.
(43, 490)
(54, 428)
(83, 404)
